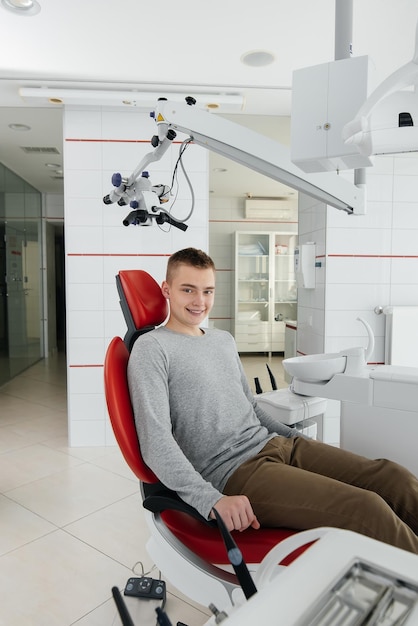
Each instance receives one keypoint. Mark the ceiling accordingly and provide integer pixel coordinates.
(184, 47)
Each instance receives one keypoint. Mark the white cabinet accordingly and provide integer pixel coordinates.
(265, 289)
(335, 92)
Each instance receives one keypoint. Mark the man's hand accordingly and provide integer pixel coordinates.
(236, 512)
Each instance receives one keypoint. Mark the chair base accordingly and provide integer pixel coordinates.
(200, 581)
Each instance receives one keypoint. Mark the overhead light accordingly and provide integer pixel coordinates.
(210, 101)
(53, 166)
(257, 58)
(21, 7)
(39, 150)
(19, 127)
(266, 208)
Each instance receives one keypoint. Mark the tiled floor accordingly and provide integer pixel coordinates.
(71, 521)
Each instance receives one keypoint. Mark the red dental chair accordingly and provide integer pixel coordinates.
(188, 549)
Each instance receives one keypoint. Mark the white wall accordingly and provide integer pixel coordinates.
(366, 261)
(97, 143)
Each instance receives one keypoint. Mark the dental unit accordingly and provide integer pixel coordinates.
(375, 400)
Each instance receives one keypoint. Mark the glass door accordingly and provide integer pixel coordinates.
(285, 290)
(4, 343)
(16, 304)
(21, 340)
(23, 311)
(253, 275)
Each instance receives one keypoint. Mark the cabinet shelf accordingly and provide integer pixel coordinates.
(256, 256)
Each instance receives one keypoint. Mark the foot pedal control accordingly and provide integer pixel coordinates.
(145, 587)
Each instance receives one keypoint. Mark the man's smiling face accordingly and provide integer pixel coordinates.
(191, 293)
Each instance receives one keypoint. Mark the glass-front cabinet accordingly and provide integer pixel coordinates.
(265, 289)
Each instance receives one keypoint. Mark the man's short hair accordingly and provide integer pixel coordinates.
(189, 256)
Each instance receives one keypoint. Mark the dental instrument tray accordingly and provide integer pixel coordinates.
(364, 596)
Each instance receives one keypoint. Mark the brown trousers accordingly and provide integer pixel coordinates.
(301, 483)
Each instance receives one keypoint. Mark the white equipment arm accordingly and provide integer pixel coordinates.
(388, 134)
(259, 153)
(247, 147)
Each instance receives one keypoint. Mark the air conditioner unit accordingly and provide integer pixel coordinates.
(265, 208)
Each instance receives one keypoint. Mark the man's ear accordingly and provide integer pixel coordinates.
(165, 289)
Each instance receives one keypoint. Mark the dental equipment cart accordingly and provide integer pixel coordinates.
(343, 579)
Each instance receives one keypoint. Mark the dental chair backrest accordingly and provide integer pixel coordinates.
(144, 307)
(120, 409)
(142, 302)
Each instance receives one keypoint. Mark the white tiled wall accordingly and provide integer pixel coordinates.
(366, 261)
(99, 142)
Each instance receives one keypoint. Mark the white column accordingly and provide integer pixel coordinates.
(98, 142)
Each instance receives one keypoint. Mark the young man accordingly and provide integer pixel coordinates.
(205, 437)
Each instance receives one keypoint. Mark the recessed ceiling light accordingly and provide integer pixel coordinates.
(53, 166)
(257, 58)
(19, 127)
(21, 7)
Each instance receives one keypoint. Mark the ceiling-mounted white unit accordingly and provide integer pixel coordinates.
(219, 102)
(275, 209)
(334, 91)
(386, 123)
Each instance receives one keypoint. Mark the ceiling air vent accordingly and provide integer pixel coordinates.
(39, 150)
(268, 208)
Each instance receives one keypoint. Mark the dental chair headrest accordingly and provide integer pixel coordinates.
(144, 298)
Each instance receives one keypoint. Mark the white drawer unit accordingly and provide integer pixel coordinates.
(253, 336)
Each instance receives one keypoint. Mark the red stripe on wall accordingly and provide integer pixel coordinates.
(246, 221)
(89, 365)
(115, 254)
(375, 256)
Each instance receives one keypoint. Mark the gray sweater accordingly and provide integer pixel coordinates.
(196, 417)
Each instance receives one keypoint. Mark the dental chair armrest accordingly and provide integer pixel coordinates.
(162, 499)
